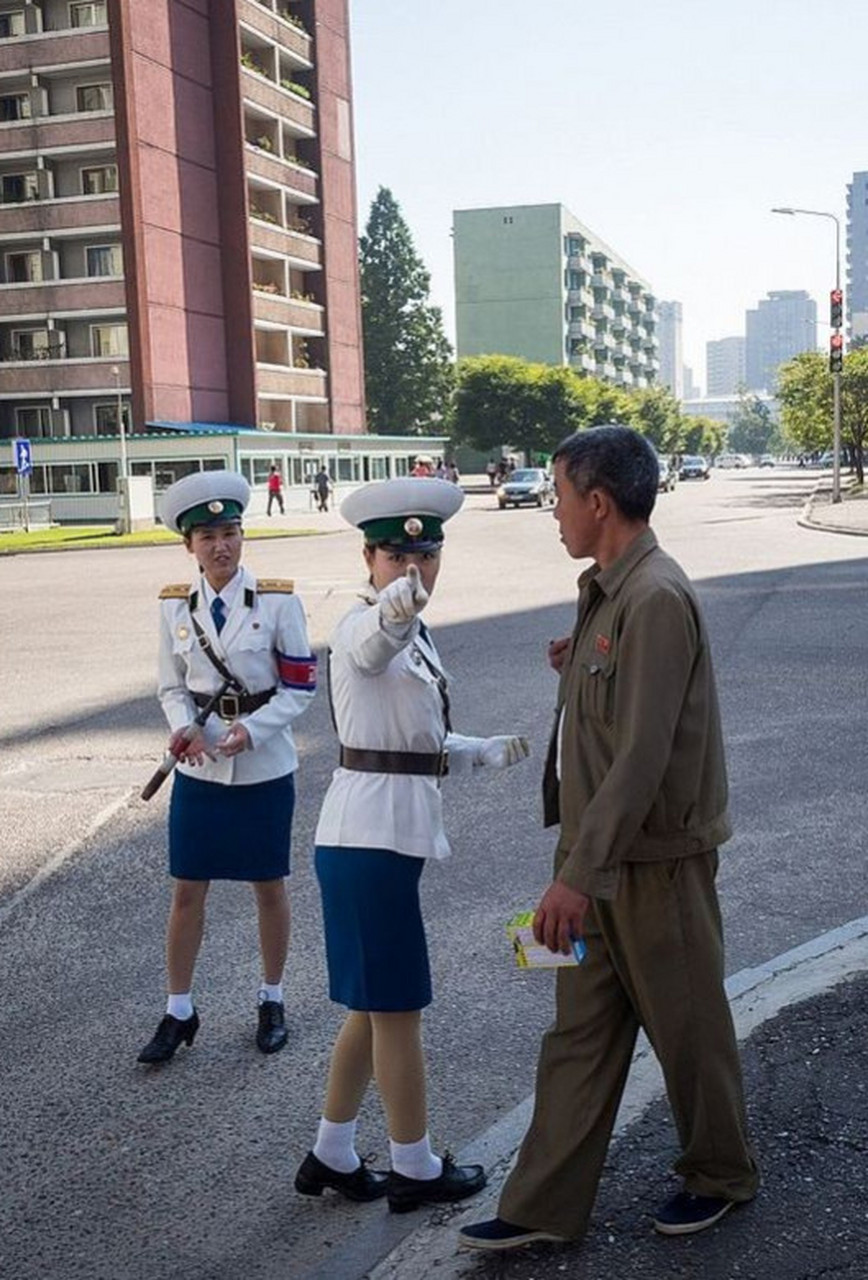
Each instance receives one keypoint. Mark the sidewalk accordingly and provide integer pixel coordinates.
(850, 515)
(803, 1023)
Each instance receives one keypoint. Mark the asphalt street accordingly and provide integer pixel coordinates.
(109, 1170)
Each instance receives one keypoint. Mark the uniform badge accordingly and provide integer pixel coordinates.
(183, 633)
(602, 644)
(416, 655)
(215, 507)
(413, 527)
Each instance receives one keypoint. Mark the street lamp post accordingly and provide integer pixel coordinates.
(836, 376)
(124, 522)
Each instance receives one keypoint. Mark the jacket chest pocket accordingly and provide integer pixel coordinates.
(597, 690)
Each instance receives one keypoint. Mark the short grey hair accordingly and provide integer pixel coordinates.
(616, 459)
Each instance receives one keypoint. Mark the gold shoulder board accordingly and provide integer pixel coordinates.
(284, 585)
(175, 591)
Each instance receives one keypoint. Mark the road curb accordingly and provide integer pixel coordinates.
(756, 995)
(807, 521)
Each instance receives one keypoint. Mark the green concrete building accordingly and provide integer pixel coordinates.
(533, 281)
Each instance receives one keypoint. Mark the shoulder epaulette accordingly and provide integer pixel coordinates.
(267, 585)
(175, 591)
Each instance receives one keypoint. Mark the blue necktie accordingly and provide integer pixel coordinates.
(218, 613)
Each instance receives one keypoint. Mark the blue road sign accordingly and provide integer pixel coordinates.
(23, 457)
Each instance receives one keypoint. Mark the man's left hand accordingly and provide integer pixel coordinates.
(235, 739)
(560, 917)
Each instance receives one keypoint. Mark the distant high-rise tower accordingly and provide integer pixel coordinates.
(671, 363)
(856, 291)
(782, 326)
(724, 365)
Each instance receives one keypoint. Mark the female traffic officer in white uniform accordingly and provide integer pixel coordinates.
(382, 817)
(233, 795)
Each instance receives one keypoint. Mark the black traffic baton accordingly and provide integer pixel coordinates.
(171, 757)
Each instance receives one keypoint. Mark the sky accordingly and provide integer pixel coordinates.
(668, 127)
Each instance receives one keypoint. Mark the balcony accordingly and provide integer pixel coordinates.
(276, 308)
(293, 41)
(40, 49)
(85, 129)
(264, 92)
(581, 329)
(273, 168)
(39, 298)
(292, 244)
(285, 381)
(42, 217)
(55, 377)
(603, 311)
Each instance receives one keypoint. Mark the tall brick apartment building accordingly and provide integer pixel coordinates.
(178, 241)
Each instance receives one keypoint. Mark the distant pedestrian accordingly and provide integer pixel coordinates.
(423, 467)
(322, 487)
(275, 490)
(491, 472)
(637, 780)
(452, 473)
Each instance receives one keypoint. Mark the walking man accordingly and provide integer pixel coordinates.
(636, 778)
(275, 490)
(322, 487)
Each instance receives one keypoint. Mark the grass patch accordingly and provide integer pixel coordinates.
(90, 537)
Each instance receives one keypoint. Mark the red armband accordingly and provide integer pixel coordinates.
(296, 673)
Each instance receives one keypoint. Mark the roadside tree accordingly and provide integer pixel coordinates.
(409, 372)
(705, 436)
(751, 426)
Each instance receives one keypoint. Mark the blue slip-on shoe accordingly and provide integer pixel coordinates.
(686, 1213)
(497, 1234)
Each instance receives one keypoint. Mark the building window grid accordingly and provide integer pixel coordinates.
(109, 340)
(104, 260)
(93, 14)
(19, 188)
(15, 106)
(99, 180)
(24, 267)
(94, 97)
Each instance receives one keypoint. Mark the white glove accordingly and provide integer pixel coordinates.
(402, 600)
(501, 752)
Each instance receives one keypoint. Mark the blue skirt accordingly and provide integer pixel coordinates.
(230, 833)
(375, 939)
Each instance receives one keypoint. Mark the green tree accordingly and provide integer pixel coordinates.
(409, 373)
(806, 396)
(655, 412)
(751, 426)
(704, 436)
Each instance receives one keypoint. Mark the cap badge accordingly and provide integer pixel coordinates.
(413, 527)
(215, 507)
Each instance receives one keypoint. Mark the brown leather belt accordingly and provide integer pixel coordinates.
(233, 705)
(428, 764)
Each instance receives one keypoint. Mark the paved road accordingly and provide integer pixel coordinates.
(110, 1171)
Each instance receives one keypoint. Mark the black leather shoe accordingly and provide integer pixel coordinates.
(271, 1035)
(456, 1182)
(361, 1184)
(171, 1033)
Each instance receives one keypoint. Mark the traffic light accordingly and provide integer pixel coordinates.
(836, 308)
(836, 353)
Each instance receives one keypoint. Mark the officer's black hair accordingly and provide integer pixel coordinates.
(617, 460)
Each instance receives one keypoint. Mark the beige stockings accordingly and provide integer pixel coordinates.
(387, 1046)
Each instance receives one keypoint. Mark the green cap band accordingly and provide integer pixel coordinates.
(404, 531)
(218, 511)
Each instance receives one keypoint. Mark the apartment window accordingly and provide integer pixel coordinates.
(575, 279)
(18, 187)
(12, 24)
(14, 106)
(70, 478)
(33, 420)
(574, 247)
(30, 344)
(88, 15)
(106, 477)
(23, 267)
(94, 97)
(105, 418)
(378, 468)
(96, 182)
(105, 260)
(108, 339)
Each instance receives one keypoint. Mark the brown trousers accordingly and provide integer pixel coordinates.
(655, 960)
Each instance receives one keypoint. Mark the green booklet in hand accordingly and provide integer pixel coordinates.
(530, 954)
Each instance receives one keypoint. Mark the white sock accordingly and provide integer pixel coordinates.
(336, 1145)
(415, 1159)
(180, 1006)
(271, 991)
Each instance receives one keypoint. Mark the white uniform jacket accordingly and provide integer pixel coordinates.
(264, 644)
(386, 698)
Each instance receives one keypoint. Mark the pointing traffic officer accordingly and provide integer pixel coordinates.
(382, 818)
(232, 801)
